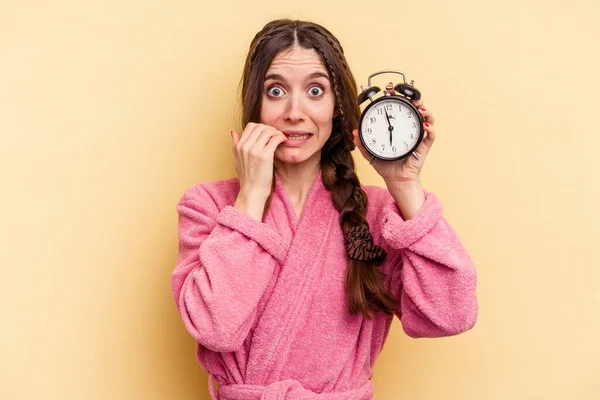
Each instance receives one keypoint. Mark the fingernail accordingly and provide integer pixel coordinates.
(421, 108)
(426, 124)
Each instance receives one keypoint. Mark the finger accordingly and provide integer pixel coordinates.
(274, 142)
(265, 136)
(427, 115)
(360, 146)
(250, 136)
(430, 138)
(392, 90)
(427, 141)
(243, 135)
(247, 133)
(235, 137)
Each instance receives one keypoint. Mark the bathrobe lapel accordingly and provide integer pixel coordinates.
(286, 308)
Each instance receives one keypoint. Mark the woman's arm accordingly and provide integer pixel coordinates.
(225, 263)
(432, 274)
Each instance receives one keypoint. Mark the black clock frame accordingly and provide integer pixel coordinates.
(405, 102)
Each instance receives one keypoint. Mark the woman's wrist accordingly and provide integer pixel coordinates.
(409, 196)
(251, 204)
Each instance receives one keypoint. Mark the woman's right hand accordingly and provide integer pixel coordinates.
(254, 153)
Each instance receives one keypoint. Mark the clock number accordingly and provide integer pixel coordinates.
(409, 114)
(414, 124)
(400, 107)
(394, 149)
(372, 120)
(388, 106)
(383, 147)
(374, 141)
(406, 145)
(380, 111)
(369, 130)
(412, 136)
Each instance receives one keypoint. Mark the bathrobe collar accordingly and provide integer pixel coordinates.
(300, 271)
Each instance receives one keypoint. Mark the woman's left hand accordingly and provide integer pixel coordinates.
(409, 168)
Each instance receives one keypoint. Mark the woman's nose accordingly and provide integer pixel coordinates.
(293, 112)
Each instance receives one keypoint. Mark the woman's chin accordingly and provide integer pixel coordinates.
(291, 156)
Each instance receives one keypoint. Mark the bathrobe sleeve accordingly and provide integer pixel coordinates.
(432, 275)
(225, 262)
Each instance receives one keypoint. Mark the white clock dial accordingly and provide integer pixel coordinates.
(376, 124)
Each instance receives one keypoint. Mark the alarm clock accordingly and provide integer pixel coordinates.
(390, 127)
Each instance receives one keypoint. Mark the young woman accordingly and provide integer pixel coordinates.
(289, 275)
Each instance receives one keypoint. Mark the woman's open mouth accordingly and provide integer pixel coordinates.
(296, 138)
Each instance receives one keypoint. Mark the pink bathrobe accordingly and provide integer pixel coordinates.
(266, 301)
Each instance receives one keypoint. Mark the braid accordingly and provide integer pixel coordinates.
(365, 292)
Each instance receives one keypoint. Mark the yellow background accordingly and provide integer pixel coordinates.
(109, 110)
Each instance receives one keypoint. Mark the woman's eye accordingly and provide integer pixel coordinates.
(316, 91)
(274, 91)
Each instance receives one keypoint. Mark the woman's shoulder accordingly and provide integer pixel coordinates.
(220, 192)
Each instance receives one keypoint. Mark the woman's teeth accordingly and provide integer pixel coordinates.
(298, 137)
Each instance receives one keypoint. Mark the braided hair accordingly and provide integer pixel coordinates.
(364, 278)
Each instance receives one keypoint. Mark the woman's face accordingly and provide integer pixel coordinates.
(297, 100)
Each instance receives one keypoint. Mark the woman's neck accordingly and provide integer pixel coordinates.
(297, 179)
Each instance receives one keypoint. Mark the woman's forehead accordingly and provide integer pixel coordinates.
(296, 59)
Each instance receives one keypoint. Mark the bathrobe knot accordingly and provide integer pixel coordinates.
(360, 245)
(290, 389)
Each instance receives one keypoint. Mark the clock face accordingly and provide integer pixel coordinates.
(390, 128)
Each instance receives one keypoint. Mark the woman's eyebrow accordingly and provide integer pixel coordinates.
(275, 77)
(317, 75)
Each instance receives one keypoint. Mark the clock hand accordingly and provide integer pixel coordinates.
(390, 127)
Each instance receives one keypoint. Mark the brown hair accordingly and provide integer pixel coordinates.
(364, 287)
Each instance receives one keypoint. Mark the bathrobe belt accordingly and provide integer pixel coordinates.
(289, 390)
